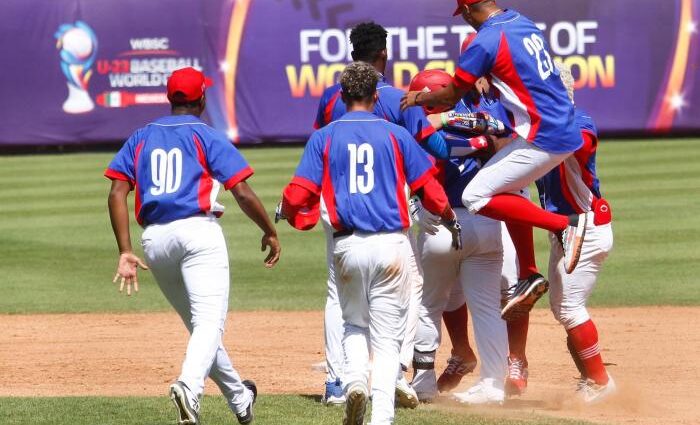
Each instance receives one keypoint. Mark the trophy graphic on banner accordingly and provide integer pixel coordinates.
(78, 47)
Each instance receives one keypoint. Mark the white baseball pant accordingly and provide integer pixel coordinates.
(413, 306)
(568, 293)
(189, 260)
(477, 268)
(372, 273)
(511, 169)
(333, 318)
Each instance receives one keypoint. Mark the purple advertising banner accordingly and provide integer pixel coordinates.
(81, 71)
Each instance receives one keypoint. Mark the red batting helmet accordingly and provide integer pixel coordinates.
(431, 80)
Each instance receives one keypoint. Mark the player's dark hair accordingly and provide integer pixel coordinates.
(359, 82)
(178, 99)
(368, 40)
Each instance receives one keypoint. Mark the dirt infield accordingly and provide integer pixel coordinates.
(653, 352)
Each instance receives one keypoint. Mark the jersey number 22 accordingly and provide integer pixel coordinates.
(364, 155)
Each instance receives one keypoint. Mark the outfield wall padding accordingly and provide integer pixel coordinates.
(78, 71)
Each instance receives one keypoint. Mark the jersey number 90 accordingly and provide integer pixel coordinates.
(535, 47)
(364, 155)
(166, 171)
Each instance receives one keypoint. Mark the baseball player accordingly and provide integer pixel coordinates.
(358, 167)
(476, 269)
(512, 51)
(175, 166)
(369, 45)
(573, 187)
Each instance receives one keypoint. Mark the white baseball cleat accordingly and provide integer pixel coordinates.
(186, 403)
(484, 392)
(572, 240)
(405, 395)
(593, 393)
(355, 404)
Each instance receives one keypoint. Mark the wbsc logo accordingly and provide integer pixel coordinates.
(77, 44)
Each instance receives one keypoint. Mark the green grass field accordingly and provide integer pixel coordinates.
(57, 252)
(270, 410)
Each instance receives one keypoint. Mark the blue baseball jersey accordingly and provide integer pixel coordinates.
(175, 166)
(573, 186)
(332, 107)
(361, 164)
(456, 173)
(513, 53)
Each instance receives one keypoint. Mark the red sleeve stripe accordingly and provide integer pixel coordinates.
(566, 191)
(205, 181)
(400, 183)
(423, 179)
(116, 175)
(238, 177)
(504, 70)
(583, 156)
(137, 191)
(327, 190)
(328, 112)
(306, 184)
(424, 133)
(464, 80)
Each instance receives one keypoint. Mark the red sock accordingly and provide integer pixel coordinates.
(517, 337)
(456, 324)
(514, 208)
(521, 234)
(584, 338)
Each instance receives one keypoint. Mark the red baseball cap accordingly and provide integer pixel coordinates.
(462, 3)
(187, 85)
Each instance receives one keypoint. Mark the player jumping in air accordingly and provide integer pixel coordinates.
(359, 166)
(175, 166)
(511, 51)
(573, 187)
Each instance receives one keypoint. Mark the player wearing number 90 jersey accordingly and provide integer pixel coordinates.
(175, 165)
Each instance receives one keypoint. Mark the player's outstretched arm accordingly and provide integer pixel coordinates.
(252, 207)
(119, 216)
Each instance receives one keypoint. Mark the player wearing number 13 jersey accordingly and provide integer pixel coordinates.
(511, 52)
(175, 166)
(359, 166)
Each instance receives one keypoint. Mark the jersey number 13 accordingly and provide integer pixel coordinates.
(361, 155)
